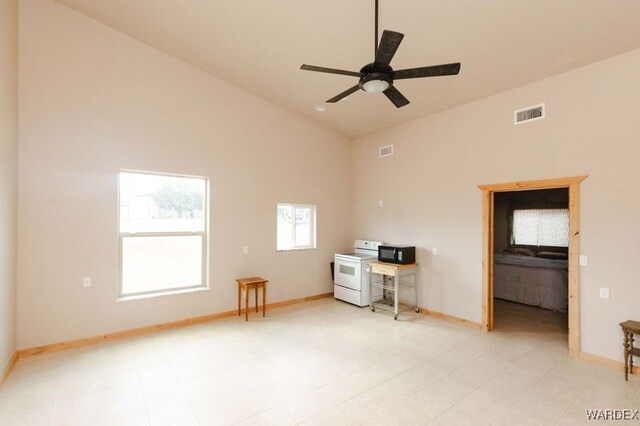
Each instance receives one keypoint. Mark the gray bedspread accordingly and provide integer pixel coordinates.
(531, 280)
(538, 262)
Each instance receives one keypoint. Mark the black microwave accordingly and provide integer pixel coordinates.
(402, 255)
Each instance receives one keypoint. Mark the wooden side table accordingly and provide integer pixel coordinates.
(629, 328)
(245, 284)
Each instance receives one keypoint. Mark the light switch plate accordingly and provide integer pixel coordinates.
(86, 282)
(245, 249)
(604, 293)
(583, 260)
(435, 251)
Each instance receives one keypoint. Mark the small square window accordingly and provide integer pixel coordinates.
(296, 225)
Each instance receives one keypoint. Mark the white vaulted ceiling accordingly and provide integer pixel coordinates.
(259, 45)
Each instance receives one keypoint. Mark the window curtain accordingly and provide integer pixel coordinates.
(549, 229)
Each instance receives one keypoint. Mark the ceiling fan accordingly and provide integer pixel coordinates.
(378, 76)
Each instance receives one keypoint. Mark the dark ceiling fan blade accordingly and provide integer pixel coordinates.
(344, 94)
(329, 70)
(396, 97)
(388, 45)
(432, 71)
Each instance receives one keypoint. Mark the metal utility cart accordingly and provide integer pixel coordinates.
(385, 295)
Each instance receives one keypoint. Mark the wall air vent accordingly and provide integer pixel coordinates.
(527, 114)
(385, 151)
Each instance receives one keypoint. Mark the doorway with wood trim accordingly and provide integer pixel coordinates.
(488, 194)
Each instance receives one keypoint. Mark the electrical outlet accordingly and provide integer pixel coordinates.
(604, 293)
(86, 282)
(584, 261)
(245, 249)
(435, 251)
(380, 203)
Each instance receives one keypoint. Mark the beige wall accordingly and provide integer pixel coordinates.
(93, 101)
(431, 199)
(8, 175)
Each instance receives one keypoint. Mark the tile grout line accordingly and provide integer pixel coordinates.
(532, 385)
(374, 387)
(519, 316)
(584, 388)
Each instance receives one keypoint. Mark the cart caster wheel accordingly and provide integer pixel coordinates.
(373, 309)
(395, 317)
(417, 310)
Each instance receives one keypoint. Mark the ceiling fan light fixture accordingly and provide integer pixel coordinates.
(375, 86)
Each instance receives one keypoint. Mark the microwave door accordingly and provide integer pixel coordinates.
(387, 254)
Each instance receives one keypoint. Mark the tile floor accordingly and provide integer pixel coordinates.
(322, 363)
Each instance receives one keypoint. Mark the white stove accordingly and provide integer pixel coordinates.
(352, 270)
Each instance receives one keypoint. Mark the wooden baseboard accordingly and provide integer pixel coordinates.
(299, 300)
(606, 362)
(7, 368)
(451, 318)
(61, 346)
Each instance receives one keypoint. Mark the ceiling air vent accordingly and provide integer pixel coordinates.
(385, 151)
(527, 114)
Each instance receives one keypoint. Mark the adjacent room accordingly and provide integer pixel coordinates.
(311, 212)
(530, 261)
(531, 236)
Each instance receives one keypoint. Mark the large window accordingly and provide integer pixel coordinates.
(296, 226)
(541, 227)
(162, 233)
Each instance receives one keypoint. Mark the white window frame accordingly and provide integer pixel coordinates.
(205, 243)
(312, 226)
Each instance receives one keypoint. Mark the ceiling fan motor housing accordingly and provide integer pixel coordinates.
(376, 71)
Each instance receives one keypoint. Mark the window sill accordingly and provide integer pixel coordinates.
(161, 294)
(296, 249)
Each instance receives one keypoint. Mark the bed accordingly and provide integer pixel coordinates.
(531, 280)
